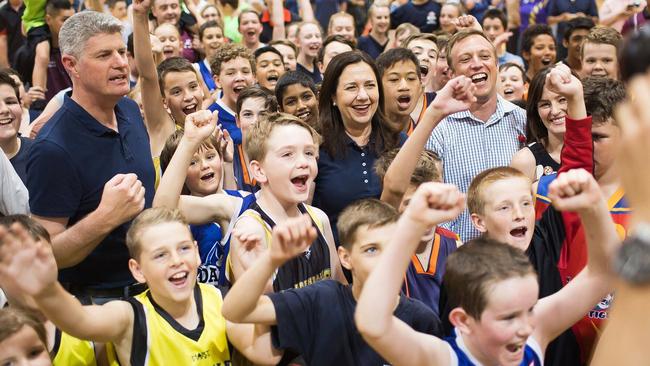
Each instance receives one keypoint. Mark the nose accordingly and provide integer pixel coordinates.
(174, 258)
(402, 84)
(203, 164)
(3, 107)
(527, 327)
(363, 94)
(121, 60)
(518, 212)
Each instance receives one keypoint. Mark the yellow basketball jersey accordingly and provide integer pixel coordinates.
(69, 350)
(158, 339)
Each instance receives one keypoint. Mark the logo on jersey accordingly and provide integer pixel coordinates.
(431, 18)
(600, 310)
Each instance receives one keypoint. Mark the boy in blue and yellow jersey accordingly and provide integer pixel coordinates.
(316, 321)
(64, 349)
(175, 322)
(282, 150)
(423, 277)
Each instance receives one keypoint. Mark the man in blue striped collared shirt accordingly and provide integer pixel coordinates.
(485, 136)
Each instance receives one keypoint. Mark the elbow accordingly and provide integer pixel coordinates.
(229, 312)
(368, 324)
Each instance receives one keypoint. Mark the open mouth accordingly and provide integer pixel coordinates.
(362, 108)
(300, 182)
(314, 48)
(6, 121)
(304, 115)
(118, 78)
(179, 279)
(207, 177)
(189, 109)
(237, 89)
(558, 120)
(519, 232)
(424, 70)
(508, 91)
(515, 347)
(479, 78)
(272, 78)
(546, 61)
(404, 101)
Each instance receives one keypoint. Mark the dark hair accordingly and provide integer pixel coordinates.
(634, 58)
(509, 65)
(389, 58)
(535, 129)
(206, 25)
(111, 3)
(290, 78)
(233, 3)
(331, 123)
(6, 79)
(476, 266)
(331, 39)
(248, 11)
(53, 7)
(602, 95)
(494, 13)
(575, 24)
(129, 45)
(270, 104)
(262, 50)
(284, 42)
(172, 64)
(533, 32)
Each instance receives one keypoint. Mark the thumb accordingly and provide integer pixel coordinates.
(116, 180)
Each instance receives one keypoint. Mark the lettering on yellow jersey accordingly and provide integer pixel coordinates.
(325, 274)
(205, 355)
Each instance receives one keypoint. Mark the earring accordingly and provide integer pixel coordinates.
(334, 104)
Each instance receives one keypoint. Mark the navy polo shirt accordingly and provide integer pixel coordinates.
(370, 46)
(425, 16)
(557, 7)
(72, 159)
(341, 181)
(314, 75)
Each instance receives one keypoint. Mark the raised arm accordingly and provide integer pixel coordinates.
(159, 124)
(279, 31)
(307, 11)
(457, 95)
(432, 204)
(577, 190)
(18, 250)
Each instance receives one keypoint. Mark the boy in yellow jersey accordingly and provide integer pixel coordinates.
(175, 322)
(63, 348)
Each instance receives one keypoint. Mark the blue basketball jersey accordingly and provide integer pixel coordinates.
(242, 176)
(532, 353)
(214, 244)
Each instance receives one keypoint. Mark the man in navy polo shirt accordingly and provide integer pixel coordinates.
(90, 171)
(424, 14)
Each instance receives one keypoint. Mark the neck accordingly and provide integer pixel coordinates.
(183, 312)
(574, 63)
(419, 2)
(399, 121)
(424, 247)
(10, 147)
(609, 182)
(378, 36)
(484, 109)
(359, 133)
(306, 61)
(228, 102)
(415, 114)
(226, 10)
(253, 46)
(554, 145)
(101, 108)
(279, 211)
(55, 40)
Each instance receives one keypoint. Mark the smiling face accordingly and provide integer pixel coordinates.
(183, 94)
(343, 26)
(212, 39)
(166, 11)
(552, 109)
(402, 88)
(448, 14)
(364, 253)
(288, 56)
(475, 57)
(235, 76)
(357, 94)
(168, 262)
(500, 336)
(249, 114)
(11, 113)
(426, 52)
(250, 28)
(380, 19)
(269, 67)
(301, 102)
(511, 84)
(210, 13)
(542, 53)
(24, 348)
(170, 39)
(331, 50)
(204, 172)
(508, 213)
(310, 40)
(290, 165)
(599, 59)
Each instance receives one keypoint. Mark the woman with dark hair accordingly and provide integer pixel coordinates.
(546, 112)
(354, 133)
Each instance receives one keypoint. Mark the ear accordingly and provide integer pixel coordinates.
(461, 320)
(48, 19)
(525, 55)
(198, 255)
(257, 171)
(237, 122)
(136, 271)
(344, 257)
(70, 64)
(478, 222)
(565, 43)
(217, 81)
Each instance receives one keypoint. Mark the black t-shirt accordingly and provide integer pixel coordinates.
(425, 16)
(15, 37)
(19, 161)
(317, 321)
(370, 46)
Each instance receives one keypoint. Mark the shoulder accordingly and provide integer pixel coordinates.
(523, 157)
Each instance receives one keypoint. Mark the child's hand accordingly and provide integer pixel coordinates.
(561, 81)
(26, 265)
(200, 125)
(501, 39)
(435, 203)
(467, 22)
(291, 238)
(227, 146)
(575, 190)
(141, 7)
(457, 95)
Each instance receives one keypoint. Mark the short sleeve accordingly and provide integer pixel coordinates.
(13, 194)
(53, 184)
(294, 310)
(434, 143)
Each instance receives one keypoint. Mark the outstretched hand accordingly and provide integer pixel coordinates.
(457, 95)
(467, 22)
(141, 7)
(435, 203)
(560, 80)
(575, 190)
(26, 265)
(200, 125)
(291, 238)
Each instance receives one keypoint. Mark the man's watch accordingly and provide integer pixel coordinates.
(632, 262)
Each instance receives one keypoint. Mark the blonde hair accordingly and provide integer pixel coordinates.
(340, 14)
(12, 320)
(255, 144)
(475, 194)
(426, 169)
(146, 219)
(371, 213)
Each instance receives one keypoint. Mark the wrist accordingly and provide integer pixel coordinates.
(50, 290)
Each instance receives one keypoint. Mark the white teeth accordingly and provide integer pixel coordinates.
(179, 276)
(479, 76)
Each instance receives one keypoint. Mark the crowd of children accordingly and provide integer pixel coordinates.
(350, 182)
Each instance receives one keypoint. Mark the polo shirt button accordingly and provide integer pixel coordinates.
(365, 172)
(363, 154)
(363, 164)
(365, 181)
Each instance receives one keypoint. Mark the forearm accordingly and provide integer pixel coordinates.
(73, 245)
(601, 237)
(39, 74)
(552, 20)
(245, 294)
(278, 20)
(171, 183)
(307, 11)
(578, 148)
(143, 55)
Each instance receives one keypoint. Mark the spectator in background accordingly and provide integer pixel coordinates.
(333, 45)
(637, 21)
(169, 11)
(495, 25)
(561, 11)
(475, 7)
(342, 24)
(310, 41)
(449, 12)
(211, 13)
(538, 49)
(250, 27)
(289, 53)
(600, 53)
(614, 13)
(424, 14)
(375, 42)
(229, 10)
(324, 9)
(11, 12)
(576, 31)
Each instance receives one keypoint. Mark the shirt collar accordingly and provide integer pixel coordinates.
(88, 121)
(504, 107)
